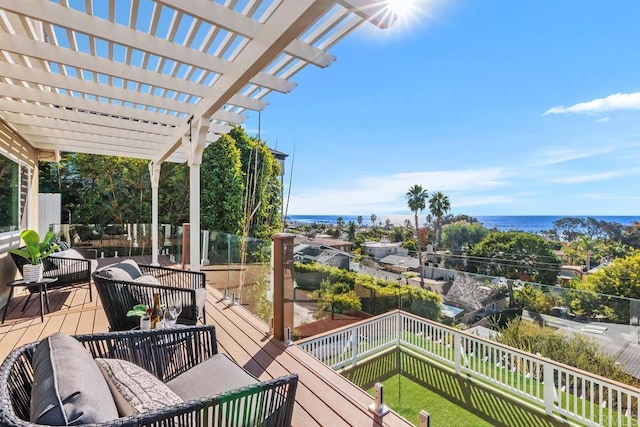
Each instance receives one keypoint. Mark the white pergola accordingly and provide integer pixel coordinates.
(158, 79)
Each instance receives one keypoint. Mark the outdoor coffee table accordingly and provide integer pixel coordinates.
(42, 288)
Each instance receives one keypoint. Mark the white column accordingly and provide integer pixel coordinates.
(196, 147)
(154, 171)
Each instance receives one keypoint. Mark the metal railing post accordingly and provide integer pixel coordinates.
(282, 284)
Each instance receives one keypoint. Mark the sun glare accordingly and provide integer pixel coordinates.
(403, 8)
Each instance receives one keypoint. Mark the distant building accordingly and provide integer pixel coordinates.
(325, 240)
(569, 272)
(399, 263)
(379, 250)
(326, 255)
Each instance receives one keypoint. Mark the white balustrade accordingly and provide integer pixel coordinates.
(555, 388)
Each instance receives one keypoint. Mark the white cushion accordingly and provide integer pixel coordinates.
(144, 295)
(69, 253)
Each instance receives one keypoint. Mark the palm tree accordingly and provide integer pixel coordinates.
(416, 199)
(373, 220)
(438, 206)
(340, 223)
(359, 220)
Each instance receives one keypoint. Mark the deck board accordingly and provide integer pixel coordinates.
(323, 398)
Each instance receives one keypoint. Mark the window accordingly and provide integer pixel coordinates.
(14, 181)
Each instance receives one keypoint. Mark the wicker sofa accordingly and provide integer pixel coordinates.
(175, 377)
(71, 267)
(126, 284)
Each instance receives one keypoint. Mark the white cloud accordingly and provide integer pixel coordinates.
(386, 194)
(581, 179)
(554, 156)
(603, 120)
(618, 101)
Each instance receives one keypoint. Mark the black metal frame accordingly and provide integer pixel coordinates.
(118, 296)
(267, 403)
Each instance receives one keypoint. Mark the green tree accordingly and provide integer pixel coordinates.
(359, 219)
(620, 278)
(515, 255)
(108, 189)
(340, 223)
(459, 237)
(461, 234)
(416, 200)
(351, 233)
(373, 218)
(336, 297)
(439, 205)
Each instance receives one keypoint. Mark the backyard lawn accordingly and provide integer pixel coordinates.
(449, 399)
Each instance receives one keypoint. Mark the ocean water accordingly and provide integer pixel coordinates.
(532, 223)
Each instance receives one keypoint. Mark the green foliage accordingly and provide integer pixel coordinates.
(221, 187)
(515, 255)
(421, 301)
(577, 350)
(620, 278)
(108, 189)
(35, 250)
(461, 234)
(336, 298)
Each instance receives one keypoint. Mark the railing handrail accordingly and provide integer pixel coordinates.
(337, 331)
(531, 356)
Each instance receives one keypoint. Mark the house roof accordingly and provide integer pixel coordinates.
(132, 77)
(319, 253)
(404, 261)
(320, 241)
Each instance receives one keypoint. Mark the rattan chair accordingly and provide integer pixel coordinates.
(119, 296)
(166, 353)
(68, 271)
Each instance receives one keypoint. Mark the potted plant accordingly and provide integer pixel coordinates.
(34, 252)
(144, 312)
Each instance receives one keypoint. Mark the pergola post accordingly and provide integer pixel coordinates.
(196, 141)
(154, 172)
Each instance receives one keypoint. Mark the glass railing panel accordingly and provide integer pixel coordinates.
(120, 240)
(240, 268)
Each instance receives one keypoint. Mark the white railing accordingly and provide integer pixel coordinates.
(558, 389)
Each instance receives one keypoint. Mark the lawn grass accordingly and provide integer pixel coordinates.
(448, 398)
(408, 398)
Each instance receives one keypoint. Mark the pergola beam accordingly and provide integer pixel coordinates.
(287, 22)
(74, 20)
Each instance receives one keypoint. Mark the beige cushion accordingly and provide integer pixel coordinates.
(135, 390)
(213, 376)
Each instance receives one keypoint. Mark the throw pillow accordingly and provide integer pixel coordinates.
(125, 271)
(144, 295)
(69, 253)
(135, 390)
(68, 387)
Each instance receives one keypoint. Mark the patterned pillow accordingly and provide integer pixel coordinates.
(135, 390)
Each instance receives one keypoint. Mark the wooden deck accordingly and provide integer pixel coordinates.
(323, 398)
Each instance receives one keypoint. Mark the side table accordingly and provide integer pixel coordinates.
(42, 287)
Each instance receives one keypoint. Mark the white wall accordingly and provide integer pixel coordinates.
(49, 211)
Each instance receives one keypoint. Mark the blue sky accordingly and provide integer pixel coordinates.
(527, 107)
